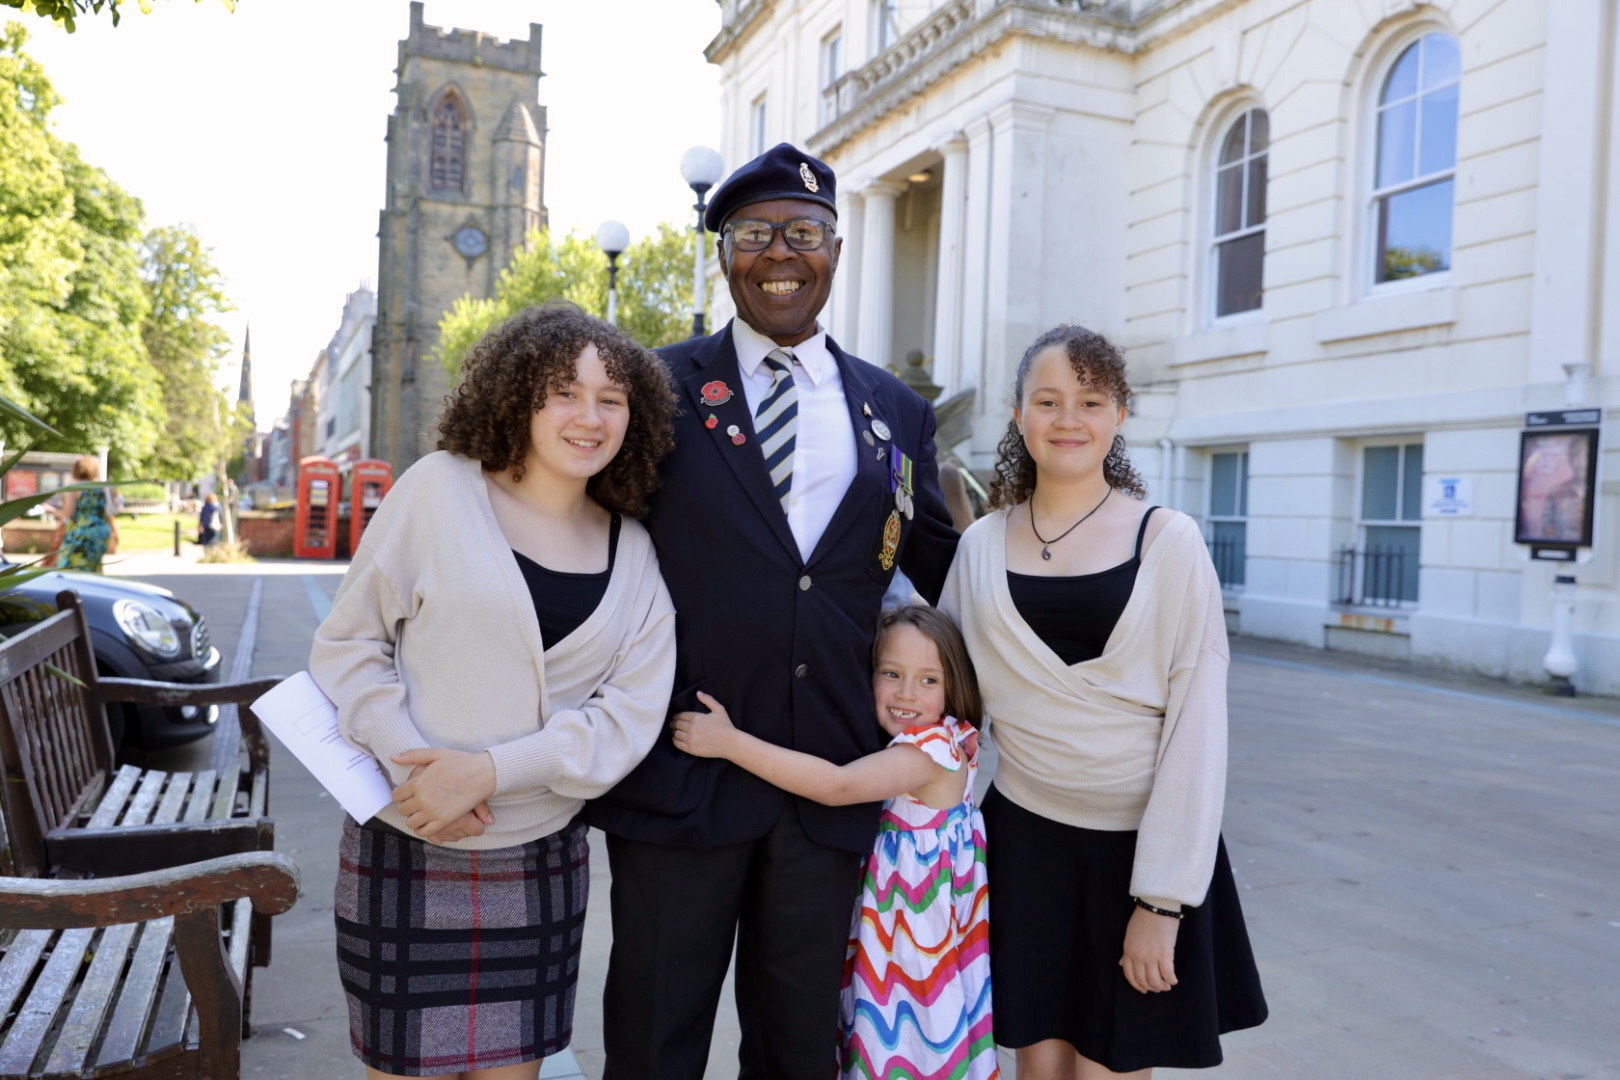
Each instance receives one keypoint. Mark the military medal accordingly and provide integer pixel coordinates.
(901, 480)
(715, 393)
(891, 540)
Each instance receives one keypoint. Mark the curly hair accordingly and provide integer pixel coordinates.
(507, 374)
(1097, 362)
(962, 697)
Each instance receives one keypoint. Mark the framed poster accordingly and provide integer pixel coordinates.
(1557, 486)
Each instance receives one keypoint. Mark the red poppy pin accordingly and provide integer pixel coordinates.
(716, 393)
(712, 422)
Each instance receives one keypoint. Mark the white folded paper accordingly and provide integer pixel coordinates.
(306, 722)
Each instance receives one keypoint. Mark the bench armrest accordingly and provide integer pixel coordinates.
(147, 692)
(268, 878)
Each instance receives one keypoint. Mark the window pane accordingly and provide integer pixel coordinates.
(1243, 484)
(1228, 548)
(1232, 148)
(1402, 81)
(1391, 564)
(1223, 475)
(1229, 200)
(1238, 287)
(1259, 131)
(1414, 232)
(1380, 469)
(1256, 211)
(1440, 61)
(1412, 484)
(1439, 149)
(1395, 143)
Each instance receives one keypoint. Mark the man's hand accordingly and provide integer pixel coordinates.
(704, 734)
(444, 788)
(1150, 951)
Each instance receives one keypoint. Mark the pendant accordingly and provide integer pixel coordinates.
(1046, 553)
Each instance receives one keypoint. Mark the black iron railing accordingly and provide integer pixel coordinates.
(1377, 575)
(1228, 554)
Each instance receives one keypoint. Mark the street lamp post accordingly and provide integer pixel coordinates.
(700, 168)
(612, 237)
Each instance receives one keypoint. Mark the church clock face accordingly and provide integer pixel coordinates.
(470, 241)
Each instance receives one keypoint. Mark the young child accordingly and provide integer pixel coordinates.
(916, 996)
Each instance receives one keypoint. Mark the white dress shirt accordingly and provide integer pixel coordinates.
(824, 441)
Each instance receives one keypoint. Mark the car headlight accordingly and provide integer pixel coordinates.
(145, 626)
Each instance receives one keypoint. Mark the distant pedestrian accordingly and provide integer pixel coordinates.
(1100, 643)
(504, 645)
(90, 531)
(208, 520)
(916, 996)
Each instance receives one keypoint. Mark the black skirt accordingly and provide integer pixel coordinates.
(1061, 901)
(453, 959)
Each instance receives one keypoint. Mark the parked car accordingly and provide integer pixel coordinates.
(137, 631)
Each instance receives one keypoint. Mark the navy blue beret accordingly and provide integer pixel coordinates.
(782, 172)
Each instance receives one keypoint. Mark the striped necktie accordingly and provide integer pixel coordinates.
(776, 421)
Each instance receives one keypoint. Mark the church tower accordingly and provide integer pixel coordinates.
(466, 179)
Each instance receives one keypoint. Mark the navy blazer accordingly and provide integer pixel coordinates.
(784, 643)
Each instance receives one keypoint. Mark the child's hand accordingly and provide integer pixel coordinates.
(704, 734)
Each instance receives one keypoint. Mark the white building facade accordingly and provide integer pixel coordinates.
(343, 419)
(1346, 244)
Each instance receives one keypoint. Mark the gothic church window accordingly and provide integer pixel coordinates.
(447, 169)
(1416, 161)
(1240, 213)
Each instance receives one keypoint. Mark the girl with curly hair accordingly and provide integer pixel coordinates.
(1099, 637)
(503, 645)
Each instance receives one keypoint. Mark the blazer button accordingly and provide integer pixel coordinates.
(801, 671)
(804, 583)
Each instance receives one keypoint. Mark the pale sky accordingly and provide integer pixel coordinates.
(265, 129)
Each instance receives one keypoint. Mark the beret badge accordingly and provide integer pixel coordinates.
(808, 177)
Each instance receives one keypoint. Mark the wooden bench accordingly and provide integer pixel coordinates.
(133, 976)
(70, 811)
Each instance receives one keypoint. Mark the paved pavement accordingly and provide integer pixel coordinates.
(1428, 864)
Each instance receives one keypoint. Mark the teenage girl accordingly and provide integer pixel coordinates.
(916, 995)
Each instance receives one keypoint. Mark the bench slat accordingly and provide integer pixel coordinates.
(91, 1001)
(174, 1004)
(138, 995)
(112, 803)
(146, 796)
(22, 955)
(202, 796)
(39, 1012)
(174, 797)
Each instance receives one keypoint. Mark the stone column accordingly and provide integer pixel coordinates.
(841, 316)
(948, 289)
(975, 240)
(877, 274)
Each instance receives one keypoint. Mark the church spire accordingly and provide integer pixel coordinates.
(245, 392)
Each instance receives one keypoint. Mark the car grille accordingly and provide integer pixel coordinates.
(199, 638)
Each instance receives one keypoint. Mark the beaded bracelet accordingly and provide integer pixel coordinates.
(1145, 906)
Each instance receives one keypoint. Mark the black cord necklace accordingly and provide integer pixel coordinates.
(1046, 545)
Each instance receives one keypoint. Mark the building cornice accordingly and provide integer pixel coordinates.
(738, 20)
(950, 37)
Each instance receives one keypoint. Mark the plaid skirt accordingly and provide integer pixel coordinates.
(454, 960)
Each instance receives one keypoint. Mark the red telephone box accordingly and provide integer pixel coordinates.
(369, 482)
(315, 528)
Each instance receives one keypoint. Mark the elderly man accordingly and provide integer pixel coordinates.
(801, 477)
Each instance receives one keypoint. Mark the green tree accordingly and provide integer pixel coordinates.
(71, 304)
(185, 293)
(655, 289)
(67, 12)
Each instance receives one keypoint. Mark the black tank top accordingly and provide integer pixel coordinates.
(1075, 615)
(564, 601)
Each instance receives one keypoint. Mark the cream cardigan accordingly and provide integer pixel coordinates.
(433, 641)
(1134, 739)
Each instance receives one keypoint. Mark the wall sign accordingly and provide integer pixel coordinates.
(1449, 496)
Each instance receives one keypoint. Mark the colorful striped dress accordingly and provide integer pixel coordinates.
(916, 997)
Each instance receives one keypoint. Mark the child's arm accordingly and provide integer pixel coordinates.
(875, 777)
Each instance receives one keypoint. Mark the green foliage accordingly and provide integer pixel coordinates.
(184, 345)
(71, 304)
(66, 12)
(655, 289)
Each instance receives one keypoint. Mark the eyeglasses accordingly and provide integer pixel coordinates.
(801, 234)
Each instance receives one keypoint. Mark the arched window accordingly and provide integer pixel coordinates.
(448, 166)
(1417, 159)
(1240, 214)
